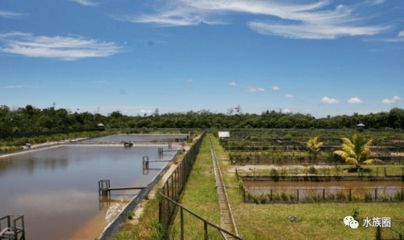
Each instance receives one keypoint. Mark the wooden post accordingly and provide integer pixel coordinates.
(205, 228)
(323, 193)
(385, 172)
(297, 195)
(377, 172)
(182, 223)
(375, 194)
(350, 194)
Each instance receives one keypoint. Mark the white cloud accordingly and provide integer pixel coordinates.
(189, 81)
(232, 84)
(289, 95)
(58, 47)
(392, 100)
(275, 88)
(376, 2)
(9, 14)
(329, 100)
(354, 100)
(90, 3)
(313, 20)
(401, 34)
(285, 110)
(313, 31)
(255, 89)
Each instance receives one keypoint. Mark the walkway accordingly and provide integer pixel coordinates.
(226, 217)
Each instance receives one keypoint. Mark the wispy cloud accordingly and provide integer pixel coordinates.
(58, 47)
(232, 84)
(289, 95)
(355, 100)
(189, 81)
(329, 100)
(313, 20)
(392, 100)
(276, 88)
(88, 3)
(401, 34)
(11, 86)
(255, 89)
(10, 14)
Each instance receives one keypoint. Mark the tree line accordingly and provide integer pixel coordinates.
(29, 119)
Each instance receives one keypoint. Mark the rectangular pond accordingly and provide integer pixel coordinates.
(56, 189)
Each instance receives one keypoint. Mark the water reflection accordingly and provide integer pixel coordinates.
(57, 188)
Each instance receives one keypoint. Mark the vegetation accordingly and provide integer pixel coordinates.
(356, 151)
(314, 146)
(27, 121)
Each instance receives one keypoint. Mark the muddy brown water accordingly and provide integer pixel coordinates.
(57, 190)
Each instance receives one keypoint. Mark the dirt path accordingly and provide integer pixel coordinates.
(226, 217)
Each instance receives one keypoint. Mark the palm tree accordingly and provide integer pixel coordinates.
(356, 151)
(314, 146)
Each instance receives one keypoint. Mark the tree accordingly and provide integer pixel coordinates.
(314, 146)
(356, 151)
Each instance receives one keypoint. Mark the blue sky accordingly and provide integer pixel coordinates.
(321, 57)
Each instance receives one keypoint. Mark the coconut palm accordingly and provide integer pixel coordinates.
(314, 146)
(356, 151)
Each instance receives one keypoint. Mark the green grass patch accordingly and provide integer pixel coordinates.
(199, 196)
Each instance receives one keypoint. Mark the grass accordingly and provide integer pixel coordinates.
(147, 227)
(315, 220)
(199, 196)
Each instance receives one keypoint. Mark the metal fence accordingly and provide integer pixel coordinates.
(206, 223)
(175, 183)
(327, 194)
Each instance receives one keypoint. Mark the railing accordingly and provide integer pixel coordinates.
(14, 227)
(206, 223)
(175, 183)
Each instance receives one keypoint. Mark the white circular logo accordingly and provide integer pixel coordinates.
(351, 222)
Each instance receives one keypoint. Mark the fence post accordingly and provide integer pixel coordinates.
(378, 233)
(205, 228)
(375, 194)
(377, 172)
(182, 223)
(385, 172)
(323, 193)
(297, 194)
(350, 194)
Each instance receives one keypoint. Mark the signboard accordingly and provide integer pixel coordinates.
(223, 134)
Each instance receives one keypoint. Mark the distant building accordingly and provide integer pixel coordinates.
(360, 127)
(101, 126)
(223, 134)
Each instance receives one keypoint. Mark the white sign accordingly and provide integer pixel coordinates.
(223, 134)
